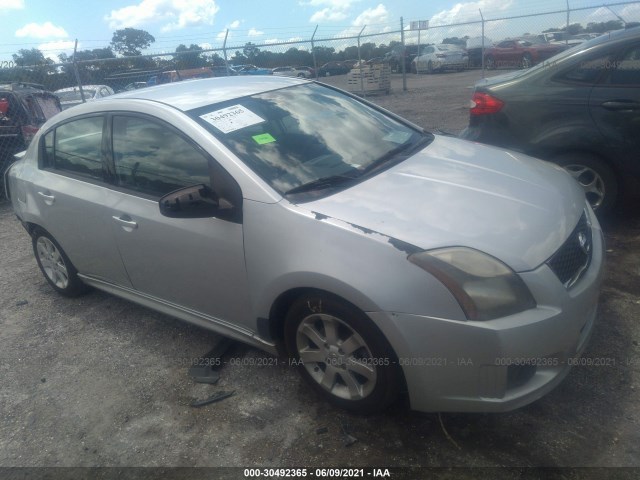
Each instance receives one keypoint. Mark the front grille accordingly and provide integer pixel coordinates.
(573, 257)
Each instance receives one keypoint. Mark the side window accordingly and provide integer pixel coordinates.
(77, 147)
(626, 70)
(587, 71)
(151, 158)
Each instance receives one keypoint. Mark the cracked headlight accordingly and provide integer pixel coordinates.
(484, 287)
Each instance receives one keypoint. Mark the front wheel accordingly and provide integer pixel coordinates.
(527, 61)
(341, 353)
(56, 266)
(595, 177)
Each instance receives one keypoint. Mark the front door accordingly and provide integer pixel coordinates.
(194, 263)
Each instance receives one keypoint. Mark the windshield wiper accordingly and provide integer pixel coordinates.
(321, 183)
(406, 149)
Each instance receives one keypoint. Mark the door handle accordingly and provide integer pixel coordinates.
(48, 198)
(624, 105)
(126, 222)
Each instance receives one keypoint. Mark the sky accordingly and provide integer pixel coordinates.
(53, 26)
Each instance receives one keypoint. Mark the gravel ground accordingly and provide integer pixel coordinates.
(97, 381)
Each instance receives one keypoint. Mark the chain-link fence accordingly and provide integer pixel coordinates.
(366, 59)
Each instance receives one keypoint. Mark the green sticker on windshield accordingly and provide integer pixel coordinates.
(263, 138)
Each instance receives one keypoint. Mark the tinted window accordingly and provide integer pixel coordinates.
(152, 159)
(78, 147)
(626, 71)
(588, 71)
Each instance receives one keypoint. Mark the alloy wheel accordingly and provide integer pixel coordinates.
(336, 356)
(52, 262)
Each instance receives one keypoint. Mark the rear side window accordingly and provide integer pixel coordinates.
(152, 159)
(588, 71)
(76, 147)
(626, 71)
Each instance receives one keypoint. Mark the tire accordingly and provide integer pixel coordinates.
(341, 353)
(429, 67)
(596, 178)
(56, 266)
(527, 61)
(489, 63)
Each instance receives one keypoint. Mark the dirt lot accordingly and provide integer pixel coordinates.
(97, 381)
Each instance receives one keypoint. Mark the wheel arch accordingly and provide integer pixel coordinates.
(285, 300)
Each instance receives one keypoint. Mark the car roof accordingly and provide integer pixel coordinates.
(190, 94)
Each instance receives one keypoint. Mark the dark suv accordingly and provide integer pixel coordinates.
(579, 109)
(24, 107)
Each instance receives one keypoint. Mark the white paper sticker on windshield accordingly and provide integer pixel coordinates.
(231, 119)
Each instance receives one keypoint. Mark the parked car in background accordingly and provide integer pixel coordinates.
(171, 76)
(72, 96)
(253, 70)
(519, 53)
(333, 68)
(580, 109)
(285, 72)
(298, 72)
(135, 86)
(440, 57)
(474, 47)
(223, 71)
(397, 56)
(24, 107)
(379, 257)
(307, 72)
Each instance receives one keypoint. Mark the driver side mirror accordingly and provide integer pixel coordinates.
(196, 201)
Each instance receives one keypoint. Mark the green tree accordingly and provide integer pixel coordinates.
(462, 42)
(189, 57)
(601, 27)
(130, 41)
(31, 58)
(324, 54)
(250, 51)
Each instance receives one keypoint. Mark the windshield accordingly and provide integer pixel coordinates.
(298, 135)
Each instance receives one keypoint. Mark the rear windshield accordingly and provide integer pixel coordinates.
(41, 107)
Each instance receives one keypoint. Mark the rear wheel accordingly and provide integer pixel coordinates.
(341, 353)
(597, 179)
(56, 266)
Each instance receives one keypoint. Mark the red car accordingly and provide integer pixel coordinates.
(519, 53)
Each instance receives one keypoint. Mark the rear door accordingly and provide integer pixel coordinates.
(615, 106)
(72, 194)
(195, 263)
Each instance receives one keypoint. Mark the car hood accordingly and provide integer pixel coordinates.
(458, 193)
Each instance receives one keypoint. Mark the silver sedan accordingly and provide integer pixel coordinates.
(382, 259)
